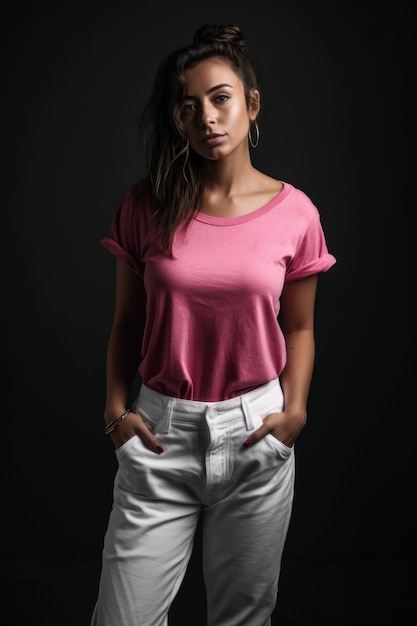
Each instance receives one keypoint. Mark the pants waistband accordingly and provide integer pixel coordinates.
(171, 408)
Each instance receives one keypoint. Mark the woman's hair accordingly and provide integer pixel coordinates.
(175, 171)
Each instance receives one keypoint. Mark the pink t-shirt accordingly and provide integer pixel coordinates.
(212, 331)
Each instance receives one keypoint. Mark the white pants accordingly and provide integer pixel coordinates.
(244, 495)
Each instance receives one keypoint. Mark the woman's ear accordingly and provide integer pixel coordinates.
(254, 104)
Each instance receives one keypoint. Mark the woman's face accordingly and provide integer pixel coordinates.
(215, 114)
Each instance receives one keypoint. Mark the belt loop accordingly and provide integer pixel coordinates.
(246, 412)
(165, 423)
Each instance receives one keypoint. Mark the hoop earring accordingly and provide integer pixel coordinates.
(251, 141)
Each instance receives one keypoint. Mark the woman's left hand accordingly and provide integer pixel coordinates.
(285, 427)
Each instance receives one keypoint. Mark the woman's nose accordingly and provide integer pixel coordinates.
(207, 116)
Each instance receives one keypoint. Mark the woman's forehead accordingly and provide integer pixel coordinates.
(209, 73)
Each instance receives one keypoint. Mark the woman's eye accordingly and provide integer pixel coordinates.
(222, 98)
(187, 108)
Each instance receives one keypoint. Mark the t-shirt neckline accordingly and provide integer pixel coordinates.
(247, 217)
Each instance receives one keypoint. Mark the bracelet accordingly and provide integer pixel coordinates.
(116, 422)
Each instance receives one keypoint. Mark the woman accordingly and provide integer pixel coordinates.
(210, 251)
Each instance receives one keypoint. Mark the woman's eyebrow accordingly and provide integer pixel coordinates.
(209, 91)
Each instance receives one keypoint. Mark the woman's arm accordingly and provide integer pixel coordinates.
(124, 345)
(297, 313)
(298, 300)
(124, 354)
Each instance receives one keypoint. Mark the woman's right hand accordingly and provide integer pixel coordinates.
(134, 426)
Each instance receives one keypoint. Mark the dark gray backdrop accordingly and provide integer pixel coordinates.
(335, 122)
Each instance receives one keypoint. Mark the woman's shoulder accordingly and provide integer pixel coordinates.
(281, 189)
(262, 189)
(136, 199)
(298, 199)
(135, 203)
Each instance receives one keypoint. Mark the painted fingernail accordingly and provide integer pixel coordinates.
(159, 449)
(247, 443)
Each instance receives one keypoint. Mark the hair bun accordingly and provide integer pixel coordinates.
(219, 33)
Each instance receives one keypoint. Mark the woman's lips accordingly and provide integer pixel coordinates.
(213, 140)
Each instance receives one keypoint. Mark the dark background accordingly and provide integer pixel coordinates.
(336, 122)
